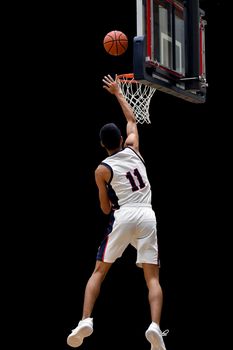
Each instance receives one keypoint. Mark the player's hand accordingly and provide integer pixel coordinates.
(110, 84)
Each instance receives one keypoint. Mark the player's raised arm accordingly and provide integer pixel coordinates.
(132, 138)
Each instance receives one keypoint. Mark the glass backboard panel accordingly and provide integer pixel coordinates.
(169, 49)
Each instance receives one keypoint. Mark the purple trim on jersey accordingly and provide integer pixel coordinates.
(103, 244)
(111, 193)
(109, 167)
(101, 250)
(136, 154)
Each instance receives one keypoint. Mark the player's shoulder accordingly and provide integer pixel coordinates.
(103, 172)
(102, 168)
(133, 150)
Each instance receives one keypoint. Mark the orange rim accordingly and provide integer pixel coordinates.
(126, 77)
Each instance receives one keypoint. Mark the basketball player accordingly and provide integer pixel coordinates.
(124, 195)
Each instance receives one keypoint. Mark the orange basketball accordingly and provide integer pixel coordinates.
(115, 43)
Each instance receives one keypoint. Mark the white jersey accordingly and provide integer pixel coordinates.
(129, 182)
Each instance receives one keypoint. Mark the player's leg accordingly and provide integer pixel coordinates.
(111, 248)
(93, 287)
(85, 326)
(147, 258)
(155, 296)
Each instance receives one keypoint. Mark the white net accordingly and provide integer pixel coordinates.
(138, 95)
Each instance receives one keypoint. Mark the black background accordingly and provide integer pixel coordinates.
(67, 106)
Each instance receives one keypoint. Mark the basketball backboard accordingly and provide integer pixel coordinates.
(169, 48)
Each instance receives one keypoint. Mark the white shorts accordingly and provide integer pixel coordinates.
(135, 225)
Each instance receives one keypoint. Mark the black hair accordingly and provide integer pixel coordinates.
(110, 136)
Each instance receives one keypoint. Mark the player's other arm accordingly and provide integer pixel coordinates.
(101, 178)
(132, 138)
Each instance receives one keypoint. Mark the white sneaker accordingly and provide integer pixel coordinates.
(84, 329)
(155, 337)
